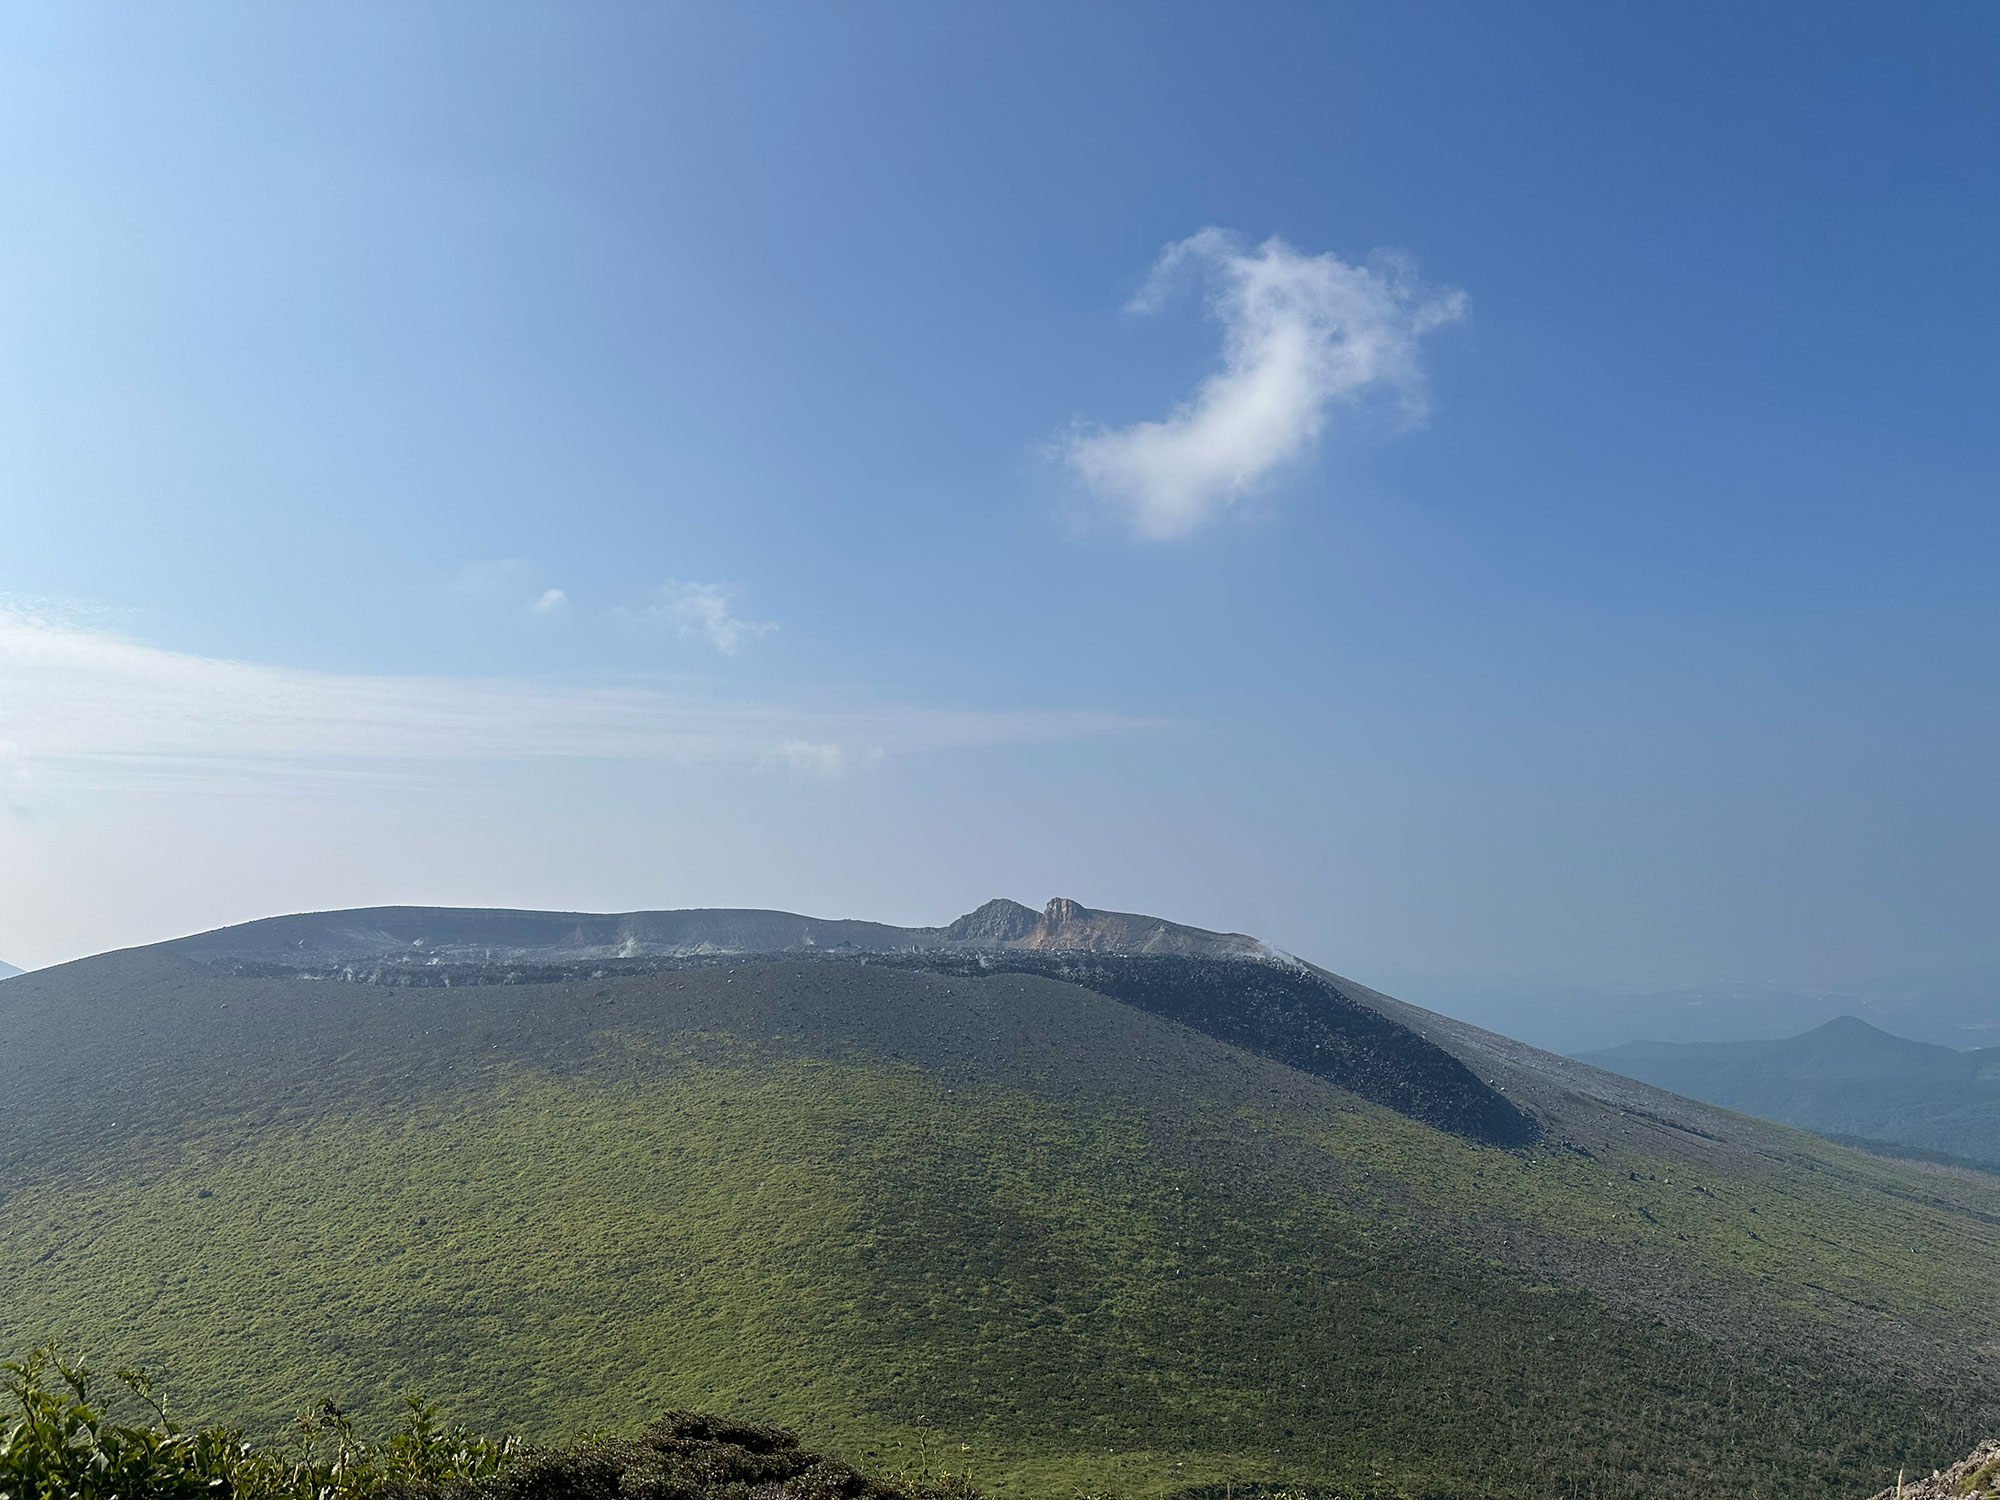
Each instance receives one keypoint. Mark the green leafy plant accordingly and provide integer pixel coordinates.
(61, 1445)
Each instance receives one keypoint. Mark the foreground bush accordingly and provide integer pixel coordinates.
(60, 1443)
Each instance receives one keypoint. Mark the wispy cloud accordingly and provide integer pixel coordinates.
(820, 758)
(85, 705)
(548, 602)
(1300, 333)
(703, 610)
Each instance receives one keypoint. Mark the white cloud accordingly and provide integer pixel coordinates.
(702, 609)
(80, 706)
(1300, 333)
(548, 602)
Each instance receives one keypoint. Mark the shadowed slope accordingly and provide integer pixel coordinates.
(1294, 1016)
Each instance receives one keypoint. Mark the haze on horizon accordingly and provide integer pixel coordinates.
(1478, 498)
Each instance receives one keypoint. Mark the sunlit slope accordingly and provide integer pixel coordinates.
(1098, 1247)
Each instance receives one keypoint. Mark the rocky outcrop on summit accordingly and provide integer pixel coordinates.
(997, 924)
(1068, 926)
(1974, 1478)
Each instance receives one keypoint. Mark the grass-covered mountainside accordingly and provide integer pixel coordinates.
(1844, 1078)
(1153, 1226)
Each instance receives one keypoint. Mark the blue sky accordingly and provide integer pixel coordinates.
(1600, 593)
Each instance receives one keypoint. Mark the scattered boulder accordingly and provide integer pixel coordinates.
(1974, 1478)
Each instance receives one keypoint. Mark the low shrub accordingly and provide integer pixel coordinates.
(62, 1443)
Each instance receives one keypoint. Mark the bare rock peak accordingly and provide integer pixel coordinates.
(998, 921)
(1061, 911)
(1068, 925)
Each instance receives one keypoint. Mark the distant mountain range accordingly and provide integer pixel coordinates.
(1846, 1078)
(1955, 1009)
(1086, 1201)
(8, 971)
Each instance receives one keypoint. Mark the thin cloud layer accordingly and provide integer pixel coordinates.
(703, 610)
(1300, 334)
(98, 709)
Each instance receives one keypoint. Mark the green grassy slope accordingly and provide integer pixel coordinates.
(889, 1207)
(1844, 1078)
